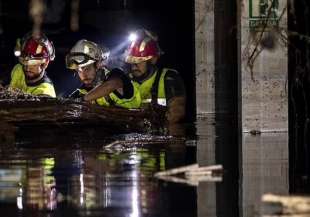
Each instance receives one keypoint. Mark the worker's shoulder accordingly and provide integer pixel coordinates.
(115, 72)
(171, 74)
(169, 70)
(47, 79)
(18, 68)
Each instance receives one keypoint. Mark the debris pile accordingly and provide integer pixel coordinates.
(23, 110)
(13, 94)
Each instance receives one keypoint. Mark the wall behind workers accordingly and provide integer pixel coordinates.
(264, 101)
(264, 66)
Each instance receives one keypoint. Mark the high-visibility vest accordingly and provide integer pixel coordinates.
(145, 88)
(42, 87)
(113, 100)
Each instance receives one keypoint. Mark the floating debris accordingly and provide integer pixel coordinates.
(135, 140)
(192, 174)
(255, 132)
(288, 205)
(18, 106)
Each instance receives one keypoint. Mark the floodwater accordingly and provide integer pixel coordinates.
(93, 180)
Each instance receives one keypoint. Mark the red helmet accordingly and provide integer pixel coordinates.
(145, 47)
(36, 50)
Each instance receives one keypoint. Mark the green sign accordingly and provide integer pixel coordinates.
(263, 13)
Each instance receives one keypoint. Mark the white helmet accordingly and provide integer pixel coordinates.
(86, 52)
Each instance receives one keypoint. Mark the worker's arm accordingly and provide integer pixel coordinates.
(176, 97)
(176, 109)
(104, 89)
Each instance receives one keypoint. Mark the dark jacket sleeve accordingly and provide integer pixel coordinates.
(127, 85)
(174, 85)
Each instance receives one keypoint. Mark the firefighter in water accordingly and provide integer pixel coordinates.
(100, 85)
(34, 53)
(157, 86)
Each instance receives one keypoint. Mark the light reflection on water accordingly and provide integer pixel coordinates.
(93, 181)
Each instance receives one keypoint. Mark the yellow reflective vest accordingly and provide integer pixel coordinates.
(43, 87)
(145, 88)
(113, 100)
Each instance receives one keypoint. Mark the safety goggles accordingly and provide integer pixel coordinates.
(78, 60)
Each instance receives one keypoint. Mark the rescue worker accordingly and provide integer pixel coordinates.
(99, 85)
(29, 75)
(157, 86)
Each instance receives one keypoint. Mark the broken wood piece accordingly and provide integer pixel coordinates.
(204, 171)
(291, 204)
(176, 170)
(198, 173)
(191, 182)
(193, 174)
(62, 111)
(178, 180)
(191, 170)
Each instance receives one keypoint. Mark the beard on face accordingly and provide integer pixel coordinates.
(140, 76)
(32, 75)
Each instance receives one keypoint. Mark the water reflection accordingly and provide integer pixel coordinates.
(218, 144)
(264, 170)
(90, 180)
(93, 182)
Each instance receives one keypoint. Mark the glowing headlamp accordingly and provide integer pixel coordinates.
(17, 49)
(132, 37)
(17, 53)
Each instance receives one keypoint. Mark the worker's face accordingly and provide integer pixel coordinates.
(33, 71)
(138, 69)
(87, 74)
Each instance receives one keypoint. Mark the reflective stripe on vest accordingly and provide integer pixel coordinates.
(160, 101)
(18, 81)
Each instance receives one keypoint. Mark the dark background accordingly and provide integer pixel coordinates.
(299, 95)
(107, 22)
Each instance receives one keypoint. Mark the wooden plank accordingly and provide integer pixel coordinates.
(293, 205)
